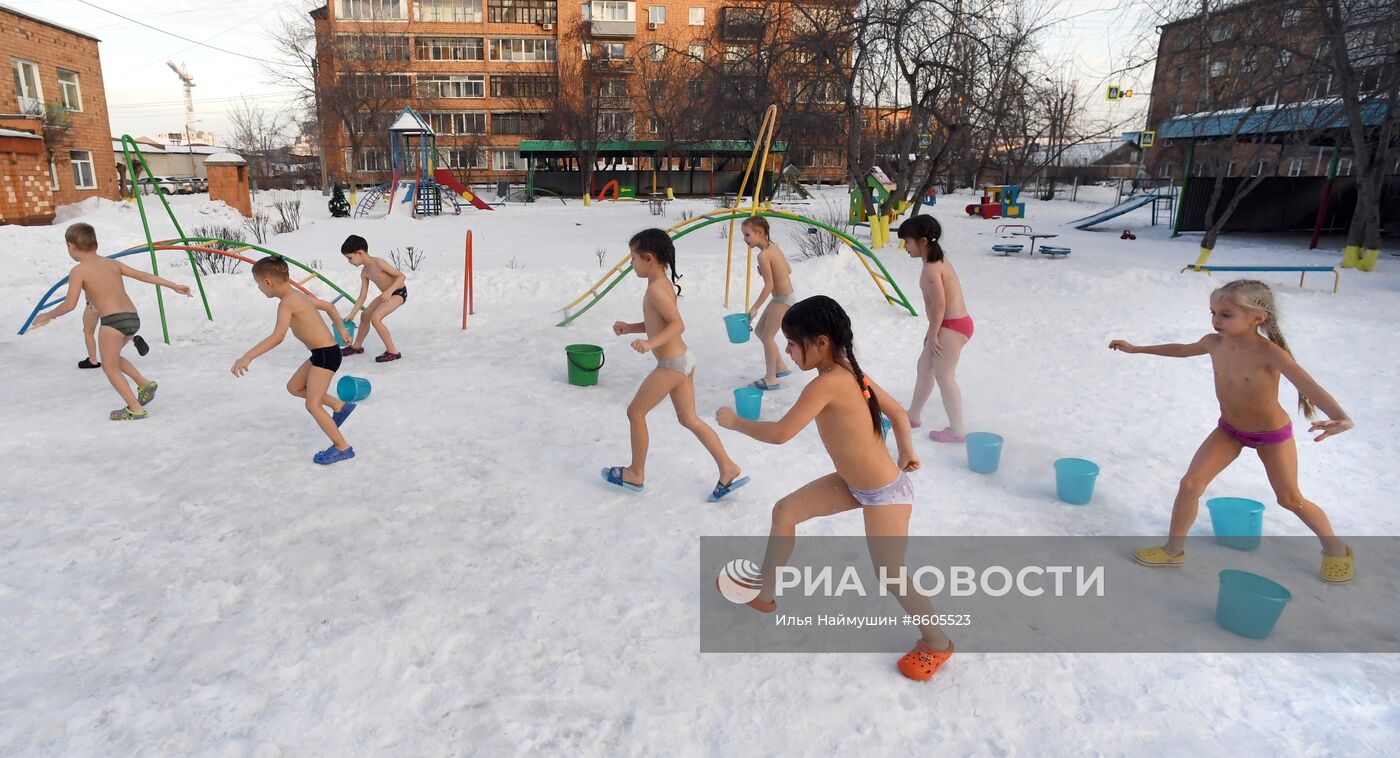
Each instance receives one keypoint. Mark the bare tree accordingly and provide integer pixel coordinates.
(257, 132)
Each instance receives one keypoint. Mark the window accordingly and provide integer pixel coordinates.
(386, 85)
(697, 16)
(1295, 167)
(451, 85)
(1203, 168)
(694, 87)
(1259, 168)
(460, 11)
(735, 53)
(464, 157)
(587, 12)
(1230, 168)
(1250, 64)
(1221, 32)
(83, 178)
(53, 176)
(1183, 72)
(1165, 171)
(1344, 167)
(369, 10)
(613, 51)
(612, 88)
(72, 95)
(1272, 98)
(522, 49)
(523, 11)
(523, 86)
(587, 51)
(613, 10)
(1218, 68)
(657, 52)
(1177, 108)
(1185, 41)
(448, 49)
(1284, 58)
(457, 122)
(1291, 17)
(506, 160)
(616, 123)
(697, 52)
(31, 97)
(653, 126)
(517, 123)
(371, 47)
(371, 159)
(656, 14)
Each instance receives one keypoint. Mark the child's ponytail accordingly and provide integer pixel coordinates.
(820, 316)
(659, 244)
(927, 228)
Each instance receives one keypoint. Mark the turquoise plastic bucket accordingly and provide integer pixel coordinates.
(1249, 605)
(349, 327)
(737, 324)
(748, 402)
(1074, 480)
(352, 389)
(1238, 522)
(983, 452)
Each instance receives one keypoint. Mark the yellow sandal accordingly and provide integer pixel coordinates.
(1337, 569)
(1156, 557)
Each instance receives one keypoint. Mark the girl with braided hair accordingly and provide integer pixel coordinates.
(1248, 354)
(847, 407)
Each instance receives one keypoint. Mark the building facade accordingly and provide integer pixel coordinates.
(56, 93)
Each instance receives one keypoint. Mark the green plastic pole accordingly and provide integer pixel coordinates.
(1185, 180)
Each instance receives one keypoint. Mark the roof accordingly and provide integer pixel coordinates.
(149, 149)
(17, 133)
(1313, 115)
(410, 121)
(47, 22)
(556, 147)
(229, 159)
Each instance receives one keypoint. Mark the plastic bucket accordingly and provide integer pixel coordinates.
(983, 452)
(1238, 522)
(584, 364)
(349, 327)
(737, 324)
(748, 402)
(1074, 480)
(1249, 605)
(352, 389)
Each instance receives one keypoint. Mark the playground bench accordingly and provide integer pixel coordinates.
(1001, 228)
(1007, 249)
(1053, 251)
(1303, 271)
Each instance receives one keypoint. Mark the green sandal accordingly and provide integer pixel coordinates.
(146, 393)
(125, 414)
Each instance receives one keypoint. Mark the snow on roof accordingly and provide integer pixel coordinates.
(408, 121)
(225, 159)
(47, 22)
(16, 133)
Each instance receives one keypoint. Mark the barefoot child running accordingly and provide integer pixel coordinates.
(949, 330)
(312, 379)
(1247, 366)
(773, 266)
(847, 407)
(100, 279)
(653, 255)
(392, 294)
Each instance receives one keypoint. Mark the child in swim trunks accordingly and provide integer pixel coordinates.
(393, 292)
(776, 272)
(90, 325)
(1247, 366)
(100, 279)
(312, 379)
(847, 407)
(653, 254)
(950, 327)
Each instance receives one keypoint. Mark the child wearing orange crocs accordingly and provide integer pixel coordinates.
(1247, 367)
(847, 407)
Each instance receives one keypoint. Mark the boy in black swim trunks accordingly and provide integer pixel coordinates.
(100, 279)
(392, 294)
(312, 379)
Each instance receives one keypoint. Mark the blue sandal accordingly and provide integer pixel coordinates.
(722, 489)
(339, 416)
(614, 476)
(759, 383)
(782, 374)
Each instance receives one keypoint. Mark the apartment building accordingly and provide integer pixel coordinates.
(55, 95)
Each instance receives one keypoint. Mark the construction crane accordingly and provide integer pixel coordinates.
(188, 81)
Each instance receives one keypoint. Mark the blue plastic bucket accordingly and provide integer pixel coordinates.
(885, 427)
(748, 402)
(737, 324)
(349, 327)
(1074, 480)
(1238, 522)
(1249, 605)
(352, 389)
(983, 452)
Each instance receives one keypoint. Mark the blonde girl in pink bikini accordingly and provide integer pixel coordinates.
(950, 327)
(1247, 367)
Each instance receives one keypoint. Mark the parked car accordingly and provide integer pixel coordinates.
(164, 184)
(188, 185)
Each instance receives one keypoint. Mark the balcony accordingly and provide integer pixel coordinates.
(613, 29)
(741, 24)
(30, 106)
(612, 66)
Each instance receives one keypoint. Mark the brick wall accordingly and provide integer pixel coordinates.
(25, 197)
(50, 49)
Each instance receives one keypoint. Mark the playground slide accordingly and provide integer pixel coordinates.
(445, 178)
(1132, 203)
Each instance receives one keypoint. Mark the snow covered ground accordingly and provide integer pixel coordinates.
(194, 585)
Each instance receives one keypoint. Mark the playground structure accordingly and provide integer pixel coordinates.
(414, 160)
(759, 157)
(184, 243)
(998, 201)
(1161, 204)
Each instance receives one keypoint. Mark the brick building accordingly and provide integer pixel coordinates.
(56, 95)
(484, 72)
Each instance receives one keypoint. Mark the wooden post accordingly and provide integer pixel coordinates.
(468, 293)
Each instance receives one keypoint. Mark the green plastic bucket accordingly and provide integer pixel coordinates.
(584, 363)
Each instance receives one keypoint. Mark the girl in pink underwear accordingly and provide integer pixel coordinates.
(949, 327)
(846, 407)
(1247, 366)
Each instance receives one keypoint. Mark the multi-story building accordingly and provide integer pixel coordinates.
(485, 73)
(55, 95)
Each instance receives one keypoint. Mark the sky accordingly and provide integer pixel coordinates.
(1086, 40)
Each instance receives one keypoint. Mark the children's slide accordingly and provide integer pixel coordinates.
(445, 178)
(1132, 203)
